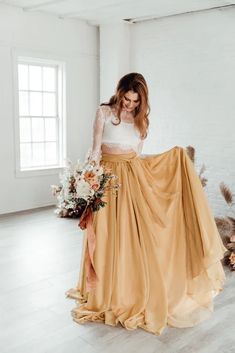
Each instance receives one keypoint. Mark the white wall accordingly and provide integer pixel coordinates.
(114, 56)
(77, 44)
(189, 64)
(187, 60)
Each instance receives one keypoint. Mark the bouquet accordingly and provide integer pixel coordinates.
(82, 187)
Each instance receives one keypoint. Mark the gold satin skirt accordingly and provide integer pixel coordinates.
(158, 251)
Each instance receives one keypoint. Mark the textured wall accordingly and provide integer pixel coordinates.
(189, 64)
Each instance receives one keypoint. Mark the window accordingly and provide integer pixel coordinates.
(40, 114)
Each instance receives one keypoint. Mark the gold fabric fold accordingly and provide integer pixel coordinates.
(158, 251)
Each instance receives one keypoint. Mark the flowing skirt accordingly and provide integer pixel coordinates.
(158, 251)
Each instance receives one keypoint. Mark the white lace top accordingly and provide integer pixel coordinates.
(125, 135)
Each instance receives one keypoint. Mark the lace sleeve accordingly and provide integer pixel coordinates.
(140, 147)
(98, 126)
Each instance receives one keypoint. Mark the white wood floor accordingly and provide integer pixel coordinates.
(40, 259)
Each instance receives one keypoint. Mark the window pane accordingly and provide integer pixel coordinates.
(49, 104)
(35, 78)
(49, 79)
(50, 129)
(51, 155)
(37, 129)
(23, 103)
(25, 154)
(38, 154)
(38, 113)
(35, 103)
(23, 76)
(25, 130)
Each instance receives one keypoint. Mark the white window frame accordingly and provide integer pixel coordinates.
(43, 59)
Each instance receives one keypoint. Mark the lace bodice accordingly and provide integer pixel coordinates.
(125, 136)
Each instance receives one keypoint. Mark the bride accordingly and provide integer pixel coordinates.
(157, 255)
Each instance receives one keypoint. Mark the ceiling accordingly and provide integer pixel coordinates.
(96, 12)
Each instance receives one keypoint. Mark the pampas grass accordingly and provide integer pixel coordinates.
(191, 153)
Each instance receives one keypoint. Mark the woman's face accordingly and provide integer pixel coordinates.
(130, 101)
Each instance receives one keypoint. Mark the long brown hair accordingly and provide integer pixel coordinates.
(133, 82)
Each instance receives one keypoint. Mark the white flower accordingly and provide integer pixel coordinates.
(55, 189)
(87, 167)
(78, 167)
(79, 178)
(99, 170)
(88, 153)
(66, 193)
(67, 163)
(84, 190)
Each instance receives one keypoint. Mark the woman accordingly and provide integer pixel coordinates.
(157, 253)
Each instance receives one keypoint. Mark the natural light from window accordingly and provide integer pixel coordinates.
(40, 115)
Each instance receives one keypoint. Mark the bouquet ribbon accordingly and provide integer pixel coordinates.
(86, 222)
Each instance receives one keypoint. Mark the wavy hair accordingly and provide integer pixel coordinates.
(135, 82)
